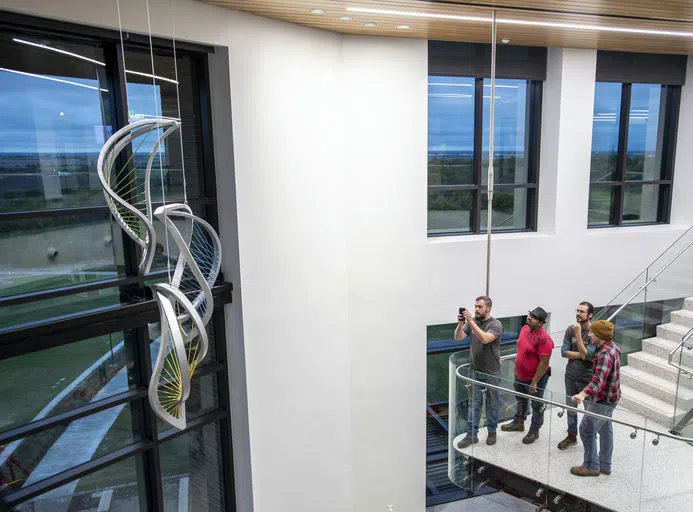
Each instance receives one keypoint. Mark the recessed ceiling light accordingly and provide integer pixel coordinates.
(505, 41)
(370, 24)
(403, 27)
(345, 18)
(317, 11)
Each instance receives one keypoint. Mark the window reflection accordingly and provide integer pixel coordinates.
(450, 130)
(605, 125)
(53, 122)
(643, 161)
(509, 140)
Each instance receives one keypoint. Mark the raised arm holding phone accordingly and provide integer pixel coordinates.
(484, 333)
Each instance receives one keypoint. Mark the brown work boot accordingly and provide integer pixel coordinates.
(513, 426)
(583, 471)
(567, 442)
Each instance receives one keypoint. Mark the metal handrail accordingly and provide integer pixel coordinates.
(502, 358)
(564, 407)
(653, 277)
(684, 339)
(650, 265)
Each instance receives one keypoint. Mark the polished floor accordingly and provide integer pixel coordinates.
(645, 477)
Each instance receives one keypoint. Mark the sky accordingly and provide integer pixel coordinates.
(64, 115)
(40, 115)
(451, 115)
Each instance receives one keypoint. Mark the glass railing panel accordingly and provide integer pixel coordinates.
(678, 252)
(667, 476)
(459, 463)
(682, 359)
(484, 403)
(631, 292)
(616, 485)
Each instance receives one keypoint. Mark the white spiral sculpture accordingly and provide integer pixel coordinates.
(185, 303)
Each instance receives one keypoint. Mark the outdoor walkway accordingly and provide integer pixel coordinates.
(78, 444)
(644, 477)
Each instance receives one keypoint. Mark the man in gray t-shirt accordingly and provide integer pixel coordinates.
(484, 333)
(578, 372)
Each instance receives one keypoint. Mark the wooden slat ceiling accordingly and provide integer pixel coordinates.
(662, 15)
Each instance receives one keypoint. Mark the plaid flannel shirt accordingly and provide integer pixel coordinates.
(606, 378)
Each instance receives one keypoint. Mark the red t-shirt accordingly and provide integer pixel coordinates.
(531, 345)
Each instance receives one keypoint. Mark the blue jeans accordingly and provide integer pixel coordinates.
(475, 403)
(522, 386)
(590, 428)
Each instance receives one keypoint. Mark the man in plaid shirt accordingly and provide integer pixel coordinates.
(604, 391)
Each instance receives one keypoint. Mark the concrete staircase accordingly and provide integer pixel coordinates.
(648, 381)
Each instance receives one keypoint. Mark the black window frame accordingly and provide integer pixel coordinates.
(532, 132)
(472, 60)
(669, 125)
(132, 317)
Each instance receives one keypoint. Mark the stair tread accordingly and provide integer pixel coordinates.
(671, 326)
(660, 341)
(651, 358)
(646, 400)
(655, 380)
(684, 312)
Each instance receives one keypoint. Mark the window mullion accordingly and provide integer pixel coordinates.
(622, 154)
(478, 152)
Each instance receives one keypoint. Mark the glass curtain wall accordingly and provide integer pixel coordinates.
(78, 328)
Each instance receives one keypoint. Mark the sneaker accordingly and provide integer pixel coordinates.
(567, 442)
(491, 439)
(513, 426)
(583, 471)
(605, 471)
(468, 440)
(530, 437)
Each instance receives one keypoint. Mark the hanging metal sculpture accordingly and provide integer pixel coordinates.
(185, 302)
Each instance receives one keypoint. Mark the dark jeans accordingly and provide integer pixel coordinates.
(522, 386)
(475, 403)
(573, 387)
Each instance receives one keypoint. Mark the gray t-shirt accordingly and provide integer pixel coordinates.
(485, 358)
(579, 370)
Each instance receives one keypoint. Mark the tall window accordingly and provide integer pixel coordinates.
(634, 138)
(78, 327)
(458, 140)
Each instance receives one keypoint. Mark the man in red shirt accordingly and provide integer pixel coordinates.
(532, 371)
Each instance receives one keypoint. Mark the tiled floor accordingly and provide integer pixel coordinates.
(497, 502)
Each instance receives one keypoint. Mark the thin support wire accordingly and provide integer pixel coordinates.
(489, 217)
(180, 130)
(161, 167)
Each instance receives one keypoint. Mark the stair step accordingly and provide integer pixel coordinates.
(688, 303)
(658, 366)
(682, 317)
(656, 387)
(661, 347)
(645, 405)
(672, 331)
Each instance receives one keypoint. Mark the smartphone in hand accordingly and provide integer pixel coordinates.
(461, 312)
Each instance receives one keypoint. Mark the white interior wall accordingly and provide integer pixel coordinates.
(337, 276)
(385, 141)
